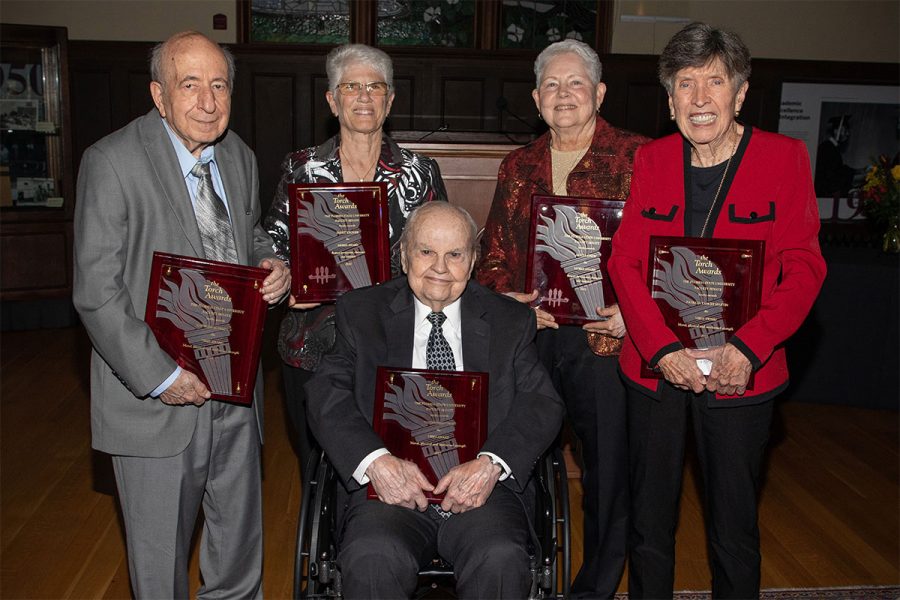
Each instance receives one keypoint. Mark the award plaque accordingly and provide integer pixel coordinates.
(436, 419)
(209, 317)
(339, 238)
(569, 242)
(706, 289)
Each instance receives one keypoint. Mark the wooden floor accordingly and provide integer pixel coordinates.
(829, 508)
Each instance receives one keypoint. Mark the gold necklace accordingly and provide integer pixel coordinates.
(364, 176)
(719, 189)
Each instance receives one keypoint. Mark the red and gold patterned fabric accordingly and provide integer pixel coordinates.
(603, 172)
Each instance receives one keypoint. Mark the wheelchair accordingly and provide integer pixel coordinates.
(315, 567)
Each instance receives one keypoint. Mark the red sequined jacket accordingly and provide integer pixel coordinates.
(603, 172)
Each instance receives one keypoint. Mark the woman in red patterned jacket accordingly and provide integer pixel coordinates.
(721, 179)
(581, 155)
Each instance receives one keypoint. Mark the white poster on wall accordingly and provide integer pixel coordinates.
(845, 127)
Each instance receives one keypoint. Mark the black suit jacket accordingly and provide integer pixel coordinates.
(375, 328)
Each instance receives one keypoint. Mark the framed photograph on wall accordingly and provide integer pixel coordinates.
(845, 127)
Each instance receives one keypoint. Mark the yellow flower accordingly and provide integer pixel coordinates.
(895, 172)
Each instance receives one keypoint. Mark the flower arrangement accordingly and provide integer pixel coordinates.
(880, 196)
(881, 192)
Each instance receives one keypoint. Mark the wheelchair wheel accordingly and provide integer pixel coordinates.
(552, 522)
(315, 571)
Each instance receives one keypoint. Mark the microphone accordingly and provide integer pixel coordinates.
(503, 106)
(443, 127)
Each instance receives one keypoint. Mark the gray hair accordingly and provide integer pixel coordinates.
(696, 46)
(342, 57)
(157, 54)
(412, 223)
(584, 52)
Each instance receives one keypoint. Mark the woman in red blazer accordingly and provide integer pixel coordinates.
(716, 178)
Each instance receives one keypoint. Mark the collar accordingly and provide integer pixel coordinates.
(537, 163)
(186, 160)
(390, 150)
(451, 311)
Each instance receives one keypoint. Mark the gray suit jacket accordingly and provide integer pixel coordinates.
(375, 328)
(132, 200)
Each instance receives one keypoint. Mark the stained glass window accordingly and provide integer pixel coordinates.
(534, 24)
(447, 23)
(300, 21)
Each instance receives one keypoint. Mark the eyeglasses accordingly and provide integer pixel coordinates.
(374, 88)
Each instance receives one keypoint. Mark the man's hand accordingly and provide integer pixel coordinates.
(292, 303)
(398, 482)
(468, 485)
(682, 371)
(730, 369)
(277, 284)
(612, 325)
(544, 319)
(186, 389)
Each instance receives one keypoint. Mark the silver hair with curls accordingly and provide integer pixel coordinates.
(584, 52)
(342, 57)
(412, 223)
(696, 46)
(157, 53)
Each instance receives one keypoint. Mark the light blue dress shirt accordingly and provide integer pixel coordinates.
(186, 161)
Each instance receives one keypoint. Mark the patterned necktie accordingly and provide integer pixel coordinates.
(212, 218)
(438, 353)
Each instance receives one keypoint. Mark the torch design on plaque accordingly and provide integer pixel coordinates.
(693, 285)
(334, 220)
(425, 409)
(573, 239)
(202, 309)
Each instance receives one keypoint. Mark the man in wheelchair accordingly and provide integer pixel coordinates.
(482, 527)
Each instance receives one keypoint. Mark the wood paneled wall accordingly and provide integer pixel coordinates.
(279, 103)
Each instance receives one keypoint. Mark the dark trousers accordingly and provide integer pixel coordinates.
(295, 398)
(382, 548)
(596, 407)
(731, 442)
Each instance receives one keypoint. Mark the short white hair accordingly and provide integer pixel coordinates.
(585, 53)
(412, 223)
(342, 57)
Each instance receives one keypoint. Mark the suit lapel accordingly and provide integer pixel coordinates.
(236, 194)
(399, 327)
(476, 332)
(536, 166)
(166, 169)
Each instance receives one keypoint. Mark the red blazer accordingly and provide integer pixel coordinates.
(770, 198)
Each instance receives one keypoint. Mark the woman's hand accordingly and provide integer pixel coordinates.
(730, 369)
(292, 303)
(544, 319)
(681, 370)
(612, 325)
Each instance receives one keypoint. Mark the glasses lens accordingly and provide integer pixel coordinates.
(350, 87)
(377, 88)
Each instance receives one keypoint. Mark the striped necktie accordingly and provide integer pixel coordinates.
(212, 218)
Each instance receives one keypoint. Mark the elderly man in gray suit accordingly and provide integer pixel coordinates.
(174, 180)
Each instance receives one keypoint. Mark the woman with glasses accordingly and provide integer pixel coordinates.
(360, 93)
